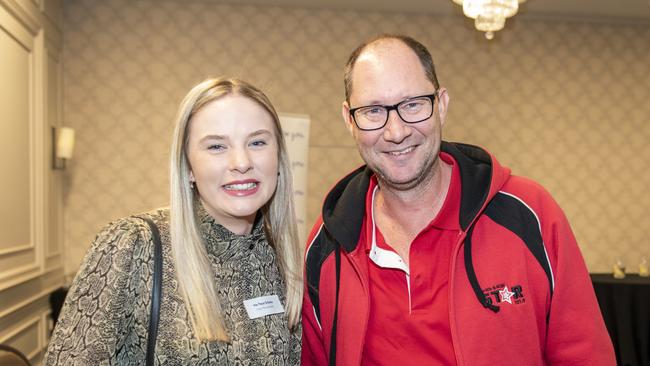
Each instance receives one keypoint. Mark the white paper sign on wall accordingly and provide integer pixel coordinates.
(296, 136)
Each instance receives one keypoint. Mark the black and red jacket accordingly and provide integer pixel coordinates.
(513, 234)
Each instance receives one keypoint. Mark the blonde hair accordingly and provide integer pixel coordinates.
(193, 267)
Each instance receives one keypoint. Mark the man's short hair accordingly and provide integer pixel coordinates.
(417, 47)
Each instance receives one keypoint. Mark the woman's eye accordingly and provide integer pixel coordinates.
(216, 147)
(258, 143)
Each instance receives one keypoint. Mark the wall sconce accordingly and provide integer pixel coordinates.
(62, 146)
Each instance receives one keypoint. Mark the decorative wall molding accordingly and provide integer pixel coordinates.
(31, 270)
(11, 333)
(19, 275)
(15, 249)
(24, 12)
(27, 301)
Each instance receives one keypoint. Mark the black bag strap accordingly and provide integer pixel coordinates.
(337, 258)
(156, 291)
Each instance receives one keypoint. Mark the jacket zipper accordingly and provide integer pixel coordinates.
(352, 260)
(452, 322)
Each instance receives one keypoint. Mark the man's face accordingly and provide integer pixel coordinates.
(401, 154)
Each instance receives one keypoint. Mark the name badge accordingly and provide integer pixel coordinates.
(263, 306)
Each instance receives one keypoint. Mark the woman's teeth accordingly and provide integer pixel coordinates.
(240, 187)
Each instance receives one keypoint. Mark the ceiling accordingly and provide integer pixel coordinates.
(618, 10)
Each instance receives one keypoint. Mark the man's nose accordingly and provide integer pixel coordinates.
(396, 130)
(240, 160)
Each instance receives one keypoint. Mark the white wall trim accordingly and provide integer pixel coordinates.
(16, 249)
(44, 292)
(20, 328)
(19, 275)
(28, 17)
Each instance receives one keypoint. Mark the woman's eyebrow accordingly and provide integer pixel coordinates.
(212, 137)
(260, 132)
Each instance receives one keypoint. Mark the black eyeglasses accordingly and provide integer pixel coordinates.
(412, 110)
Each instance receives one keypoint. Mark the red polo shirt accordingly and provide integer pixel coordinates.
(409, 311)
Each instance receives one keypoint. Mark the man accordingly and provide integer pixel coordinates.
(432, 253)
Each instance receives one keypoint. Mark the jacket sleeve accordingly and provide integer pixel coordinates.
(98, 309)
(576, 333)
(313, 342)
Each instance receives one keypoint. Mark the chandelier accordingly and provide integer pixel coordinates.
(489, 15)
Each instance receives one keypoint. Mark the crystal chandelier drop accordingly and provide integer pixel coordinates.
(489, 15)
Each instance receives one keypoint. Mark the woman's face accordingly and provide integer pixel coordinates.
(233, 155)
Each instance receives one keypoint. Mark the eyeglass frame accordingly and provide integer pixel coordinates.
(394, 107)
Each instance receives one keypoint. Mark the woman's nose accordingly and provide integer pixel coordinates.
(240, 160)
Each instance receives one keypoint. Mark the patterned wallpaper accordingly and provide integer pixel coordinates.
(563, 102)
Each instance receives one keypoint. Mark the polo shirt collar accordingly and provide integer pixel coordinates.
(447, 218)
(382, 257)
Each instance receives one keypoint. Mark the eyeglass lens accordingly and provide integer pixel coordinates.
(412, 110)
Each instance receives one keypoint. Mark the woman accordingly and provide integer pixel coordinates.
(229, 236)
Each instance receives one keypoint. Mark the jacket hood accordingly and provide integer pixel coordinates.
(481, 178)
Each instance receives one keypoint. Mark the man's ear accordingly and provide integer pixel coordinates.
(443, 104)
(347, 118)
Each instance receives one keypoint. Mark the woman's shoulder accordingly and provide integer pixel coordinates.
(158, 216)
(124, 232)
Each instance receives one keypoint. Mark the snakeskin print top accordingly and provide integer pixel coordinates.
(105, 317)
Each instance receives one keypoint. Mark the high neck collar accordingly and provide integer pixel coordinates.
(211, 227)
